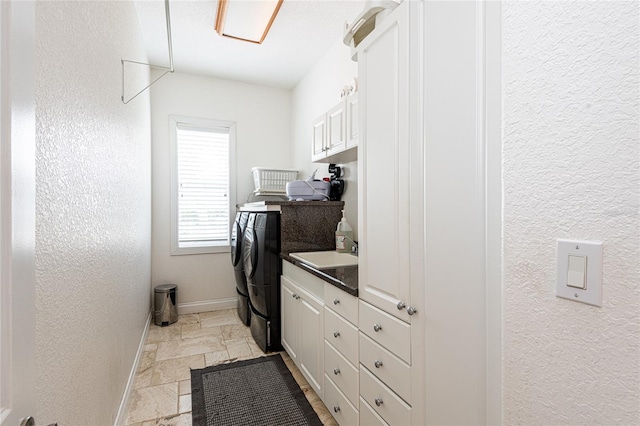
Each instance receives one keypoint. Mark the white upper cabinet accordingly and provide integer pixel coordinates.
(318, 151)
(335, 133)
(352, 121)
(336, 129)
(384, 164)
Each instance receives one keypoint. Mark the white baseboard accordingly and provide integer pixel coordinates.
(124, 404)
(207, 305)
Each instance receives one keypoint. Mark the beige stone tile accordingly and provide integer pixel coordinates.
(147, 361)
(186, 347)
(241, 358)
(184, 387)
(219, 312)
(235, 331)
(305, 387)
(151, 347)
(326, 418)
(225, 318)
(190, 327)
(189, 319)
(312, 397)
(143, 379)
(238, 348)
(215, 358)
(199, 332)
(153, 402)
(176, 369)
(163, 334)
(176, 420)
(184, 404)
(255, 349)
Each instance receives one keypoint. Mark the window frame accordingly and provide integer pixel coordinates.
(174, 122)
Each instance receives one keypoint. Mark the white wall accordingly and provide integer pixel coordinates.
(92, 210)
(571, 169)
(318, 91)
(262, 117)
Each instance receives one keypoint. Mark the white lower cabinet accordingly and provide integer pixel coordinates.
(368, 416)
(383, 400)
(342, 372)
(342, 335)
(341, 356)
(387, 367)
(302, 316)
(338, 404)
(387, 330)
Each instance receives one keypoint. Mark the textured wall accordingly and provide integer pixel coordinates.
(92, 210)
(262, 116)
(571, 168)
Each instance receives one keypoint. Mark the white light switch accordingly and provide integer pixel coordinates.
(579, 271)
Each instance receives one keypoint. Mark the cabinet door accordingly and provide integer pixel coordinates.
(289, 306)
(352, 120)
(336, 129)
(384, 168)
(318, 150)
(311, 352)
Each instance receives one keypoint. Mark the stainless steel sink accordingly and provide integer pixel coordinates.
(326, 259)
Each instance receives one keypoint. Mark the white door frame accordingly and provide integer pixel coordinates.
(492, 24)
(17, 211)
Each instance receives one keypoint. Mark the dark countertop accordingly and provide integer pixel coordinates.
(345, 278)
(277, 205)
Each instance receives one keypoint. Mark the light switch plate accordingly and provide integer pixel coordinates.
(566, 288)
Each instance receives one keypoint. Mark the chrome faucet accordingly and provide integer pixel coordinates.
(354, 247)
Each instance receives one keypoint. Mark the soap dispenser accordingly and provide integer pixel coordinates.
(344, 236)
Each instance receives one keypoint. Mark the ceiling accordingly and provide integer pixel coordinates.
(301, 34)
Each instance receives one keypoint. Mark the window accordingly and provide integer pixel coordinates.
(202, 191)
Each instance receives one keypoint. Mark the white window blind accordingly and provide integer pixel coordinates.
(203, 156)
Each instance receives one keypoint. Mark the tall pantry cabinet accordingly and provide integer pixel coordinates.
(391, 220)
(428, 336)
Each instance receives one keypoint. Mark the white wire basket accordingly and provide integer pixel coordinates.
(272, 181)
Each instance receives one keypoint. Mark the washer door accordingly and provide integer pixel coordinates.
(250, 252)
(236, 244)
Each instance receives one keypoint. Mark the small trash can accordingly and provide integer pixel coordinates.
(165, 302)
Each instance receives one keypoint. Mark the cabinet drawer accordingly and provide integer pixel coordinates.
(368, 417)
(340, 408)
(388, 331)
(389, 405)
(387, 367)
(342, 303)
(304, 279)
(342, 372)
(341, 334)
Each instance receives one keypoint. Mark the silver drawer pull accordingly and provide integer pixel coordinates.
(401, 305)
(336, 334)
(377, 363)
(336, 301)
(378, 401)
(336, 409)
(411, 310)
(377, 327)
(295, 296)
(336, 371)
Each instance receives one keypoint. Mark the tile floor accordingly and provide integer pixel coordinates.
(162, 387)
